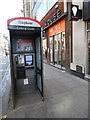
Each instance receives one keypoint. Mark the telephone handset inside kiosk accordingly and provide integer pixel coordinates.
(19, 59)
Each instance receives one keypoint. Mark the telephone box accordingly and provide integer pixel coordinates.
(25, 57)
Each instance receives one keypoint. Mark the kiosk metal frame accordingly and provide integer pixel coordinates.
(25, 54)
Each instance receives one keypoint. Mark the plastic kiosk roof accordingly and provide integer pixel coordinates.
(23, 23)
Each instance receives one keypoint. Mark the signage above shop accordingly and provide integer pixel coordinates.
(57, 28)
(53, 18)
(53, 15)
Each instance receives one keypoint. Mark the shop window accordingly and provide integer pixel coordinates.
(88, 25)
(88, 52)
(63, 49)
(59, 48)
(55, 49)
(51, 49)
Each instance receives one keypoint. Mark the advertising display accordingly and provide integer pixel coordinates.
(22, 45)
(28, 60)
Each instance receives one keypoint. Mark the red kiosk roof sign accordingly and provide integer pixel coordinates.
(23, 22)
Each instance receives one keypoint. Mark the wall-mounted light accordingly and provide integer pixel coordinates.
(74, 10)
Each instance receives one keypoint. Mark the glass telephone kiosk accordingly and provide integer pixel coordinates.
(25, 57)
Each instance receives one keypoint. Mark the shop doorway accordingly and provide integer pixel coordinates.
(57, 49)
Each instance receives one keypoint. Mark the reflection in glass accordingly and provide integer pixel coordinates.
(38, 55)
(63, 48)
(51, 49)
(59, 49)
(55, 50)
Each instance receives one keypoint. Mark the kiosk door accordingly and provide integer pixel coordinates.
(39, 73)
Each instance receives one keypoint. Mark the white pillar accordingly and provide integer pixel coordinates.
(65, 6)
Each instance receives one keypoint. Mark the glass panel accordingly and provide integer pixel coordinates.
(88, 26)
(39, 82)
(63, 49)
(38, 56)
(45, 6)
(38, 66)
(44, 49)
(51, 49)
(55, 49)
(59, 49)
(89, 38)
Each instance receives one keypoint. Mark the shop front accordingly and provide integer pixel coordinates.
(86, 18)
(57, 29)
(88, 49)
(57, 48)
(80, 64)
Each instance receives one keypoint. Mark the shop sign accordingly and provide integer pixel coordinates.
(53, 18)
(57, 28)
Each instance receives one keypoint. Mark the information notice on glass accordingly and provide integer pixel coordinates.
(25, 81)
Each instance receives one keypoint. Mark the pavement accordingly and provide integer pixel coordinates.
(65, 96)
(4, 63)
(5, 84)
